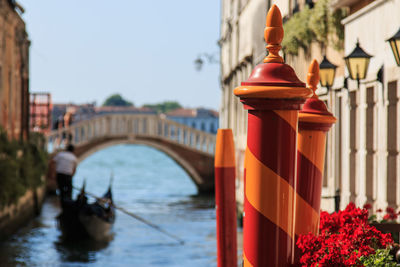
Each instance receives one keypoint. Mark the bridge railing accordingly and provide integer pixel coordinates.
(131, 126)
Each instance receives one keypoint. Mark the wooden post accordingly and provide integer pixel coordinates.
(225, 202)
(272, 95)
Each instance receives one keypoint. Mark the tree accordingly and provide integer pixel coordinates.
(117, 100)
(164, 106)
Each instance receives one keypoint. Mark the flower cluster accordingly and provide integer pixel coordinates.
(344, 237)
(390, 216)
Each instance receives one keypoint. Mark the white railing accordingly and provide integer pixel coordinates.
(131, 125)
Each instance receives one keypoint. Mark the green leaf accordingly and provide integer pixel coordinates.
(381, 258)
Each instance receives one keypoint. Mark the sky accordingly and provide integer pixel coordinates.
(84, 51)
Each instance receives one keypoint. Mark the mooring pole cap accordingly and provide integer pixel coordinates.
(315, 114)
(273, 79)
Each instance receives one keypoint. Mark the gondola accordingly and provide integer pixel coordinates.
(80, 219)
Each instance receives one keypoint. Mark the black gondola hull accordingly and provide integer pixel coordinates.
(82, 220)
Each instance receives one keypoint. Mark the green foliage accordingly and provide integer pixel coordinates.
(337, 28)
(298, 32)
(164, 106)
(117, 100)
(22, 166)
(319, 21)
(381, 258)
(319, 24)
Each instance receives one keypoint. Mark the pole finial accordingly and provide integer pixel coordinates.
(273, 35)
(313, 76)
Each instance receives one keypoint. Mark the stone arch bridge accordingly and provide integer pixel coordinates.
(192, 149)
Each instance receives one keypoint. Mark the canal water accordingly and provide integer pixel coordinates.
(148, 183)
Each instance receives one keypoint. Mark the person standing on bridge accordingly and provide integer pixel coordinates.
(66, 163)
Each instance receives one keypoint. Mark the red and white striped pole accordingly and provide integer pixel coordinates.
(225, 200)
(314, 121)
(272, 95)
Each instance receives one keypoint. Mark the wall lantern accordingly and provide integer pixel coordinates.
(327, 73)
(395, 45)
(357, 63)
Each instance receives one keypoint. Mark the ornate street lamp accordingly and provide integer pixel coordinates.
(395, 45)
(327, 73)
(357, 63)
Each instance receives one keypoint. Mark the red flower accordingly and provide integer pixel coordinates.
(390, 216)
(367, 206)
(344, 237)
(390, 210)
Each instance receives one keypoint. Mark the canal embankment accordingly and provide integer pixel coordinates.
(16, 215)
(23, 164)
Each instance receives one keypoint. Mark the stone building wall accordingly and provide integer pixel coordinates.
(370, 127)
(13, 216)
(14, 71)
(362, 157)
(242, 48)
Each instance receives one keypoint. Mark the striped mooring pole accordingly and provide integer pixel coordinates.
(273, 94)
(314, 121)
(225, 200)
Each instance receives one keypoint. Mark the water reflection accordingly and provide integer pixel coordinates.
(195, 202)
(83, 250)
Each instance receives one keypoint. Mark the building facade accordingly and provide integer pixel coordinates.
(199, 118)
(14, 71)
(242, 47)
(40, 112)
(73, 113)
(362, 162)
(368, 132)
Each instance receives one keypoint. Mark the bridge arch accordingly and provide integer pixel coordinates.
(190, 170)
(189, 148)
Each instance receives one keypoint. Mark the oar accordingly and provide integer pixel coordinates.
(152, 225)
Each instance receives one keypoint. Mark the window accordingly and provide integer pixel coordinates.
(296, 7)
(354, 141)
(203, 126)
(310, 3)
(212, 128)
(370, 157)
(392, 152)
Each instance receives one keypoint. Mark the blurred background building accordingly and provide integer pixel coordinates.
(124, 110)
(40, 112)
(74, 112)
(14, 71)
(362, 159)
(198, 118)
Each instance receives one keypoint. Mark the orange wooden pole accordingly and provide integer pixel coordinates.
(272, 95)
(314, 121)
(225, 200)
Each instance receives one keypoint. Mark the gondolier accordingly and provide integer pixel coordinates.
(66, 163)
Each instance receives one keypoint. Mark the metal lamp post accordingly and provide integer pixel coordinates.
(395, 45)
(327, 72)
(357, 63)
